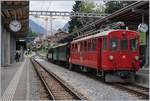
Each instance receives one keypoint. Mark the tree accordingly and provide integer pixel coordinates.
(74, 20)
(32, 34)
(85, 6)
(112, 6)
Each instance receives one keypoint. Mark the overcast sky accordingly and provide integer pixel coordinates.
(57, 22)
(51, 5)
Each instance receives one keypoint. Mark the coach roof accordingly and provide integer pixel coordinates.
(104, 33)
(63, 44)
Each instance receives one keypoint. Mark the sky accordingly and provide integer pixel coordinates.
(52, 5)
(57, 22)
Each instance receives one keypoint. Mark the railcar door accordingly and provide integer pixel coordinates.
(114, 50)
(124, 60)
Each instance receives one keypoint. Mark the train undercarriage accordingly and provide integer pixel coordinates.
(122, 76)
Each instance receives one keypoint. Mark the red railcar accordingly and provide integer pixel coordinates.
(113, 52)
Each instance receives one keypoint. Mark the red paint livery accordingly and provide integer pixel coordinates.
(113, 50)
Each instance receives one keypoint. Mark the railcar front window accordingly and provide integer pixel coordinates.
(133, 44)
(113, 44)
(124, 44)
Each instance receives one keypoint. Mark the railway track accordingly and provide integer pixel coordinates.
(141, 92)
(55, 87)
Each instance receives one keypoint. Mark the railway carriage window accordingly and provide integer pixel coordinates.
(133, 44)
(85, 46)
(89, 45)
(81, 46)
(124, 44)
(113, 44)
(93, 48)
(105, 43)
(78, 47)
(73, 47)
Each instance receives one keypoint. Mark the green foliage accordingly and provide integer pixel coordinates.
(75, 28)
(74, 20)
(32, 34)
(112, 6)
(88, 6)
(85, 6)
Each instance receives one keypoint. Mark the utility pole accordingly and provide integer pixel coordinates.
(51, 25)
(46, 25)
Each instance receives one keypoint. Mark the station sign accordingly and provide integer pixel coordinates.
(143, 28)
(142, 38)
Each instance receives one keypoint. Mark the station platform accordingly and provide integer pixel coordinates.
(20, 82)
(142, 77)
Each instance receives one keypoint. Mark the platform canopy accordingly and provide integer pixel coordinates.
(18, 10)
(132, 15)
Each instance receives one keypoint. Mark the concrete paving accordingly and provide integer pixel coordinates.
(19, 81)
(142, 77)
(6, 75)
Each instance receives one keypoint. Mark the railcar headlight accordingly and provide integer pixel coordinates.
(111, 57)
(136, 57)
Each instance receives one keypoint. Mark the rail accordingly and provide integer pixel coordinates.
(142, 92)
(56, 87)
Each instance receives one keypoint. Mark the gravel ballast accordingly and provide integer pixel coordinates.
(90, 88)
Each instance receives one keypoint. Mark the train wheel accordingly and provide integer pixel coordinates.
(84, 69)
